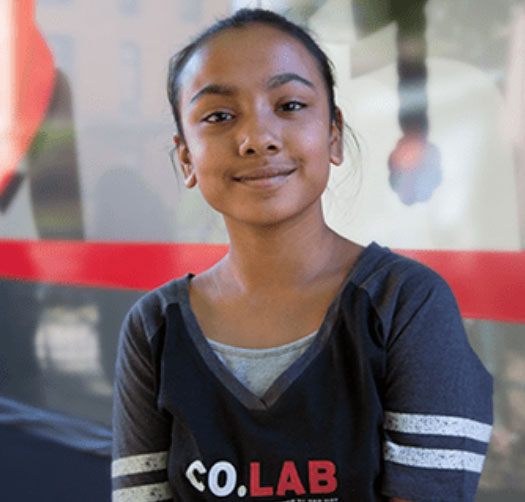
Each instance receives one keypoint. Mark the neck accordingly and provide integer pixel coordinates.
(292, 253)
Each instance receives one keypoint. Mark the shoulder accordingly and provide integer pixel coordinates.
(382, 271)
(148, 313)
(398, 287)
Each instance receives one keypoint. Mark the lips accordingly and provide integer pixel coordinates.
(264, 173)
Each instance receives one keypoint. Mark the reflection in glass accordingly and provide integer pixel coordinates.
(130, 73)
(502, 349)
(63, 49)
(128, 6)
(67, 347)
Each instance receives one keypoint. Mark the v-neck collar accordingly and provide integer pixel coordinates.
(289, 375)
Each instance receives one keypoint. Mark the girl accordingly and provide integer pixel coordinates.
(302, 366)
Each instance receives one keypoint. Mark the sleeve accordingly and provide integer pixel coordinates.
(437, 401)
(141, 433)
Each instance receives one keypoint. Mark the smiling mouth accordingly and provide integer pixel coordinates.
(266, 174)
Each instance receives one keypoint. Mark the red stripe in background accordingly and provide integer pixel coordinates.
(488, 285)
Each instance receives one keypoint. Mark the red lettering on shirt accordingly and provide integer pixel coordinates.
(256, 490)
(289, 480)
(321, 476)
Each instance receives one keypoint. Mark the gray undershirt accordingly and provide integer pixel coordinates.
(257, 369)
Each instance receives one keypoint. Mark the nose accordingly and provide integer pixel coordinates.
(258, 137)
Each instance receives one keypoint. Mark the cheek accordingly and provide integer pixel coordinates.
(314, 142)
(204, 147)
(196, 146)
(209, 191)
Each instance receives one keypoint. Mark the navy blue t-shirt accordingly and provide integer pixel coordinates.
(388, 401)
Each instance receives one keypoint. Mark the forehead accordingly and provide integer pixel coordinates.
(248, 55)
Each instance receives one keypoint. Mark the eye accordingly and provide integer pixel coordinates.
(292, 106)
(215, 117)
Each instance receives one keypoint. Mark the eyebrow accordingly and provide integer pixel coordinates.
(272, 83)
(222, 90)
(284, 78)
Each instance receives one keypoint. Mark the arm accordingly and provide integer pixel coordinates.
(141, 433)
(438, 397)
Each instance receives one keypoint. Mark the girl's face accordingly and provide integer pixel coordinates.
(257, 134)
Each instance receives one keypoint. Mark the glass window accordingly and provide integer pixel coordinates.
(128, 6)
(130, 72)
(63, 49)
(58, 2)
(192, 11)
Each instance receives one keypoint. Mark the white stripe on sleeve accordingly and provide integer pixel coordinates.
(433, 458)
(136, 464)
(145, 493)
(439, 425)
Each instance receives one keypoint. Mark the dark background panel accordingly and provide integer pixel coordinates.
(34, 469)
(58, 346)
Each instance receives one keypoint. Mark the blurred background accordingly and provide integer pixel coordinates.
(92, 214)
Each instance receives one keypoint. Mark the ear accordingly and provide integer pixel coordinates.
(336, 138)
(183, 154)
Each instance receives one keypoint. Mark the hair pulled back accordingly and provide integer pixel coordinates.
(241, 19)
